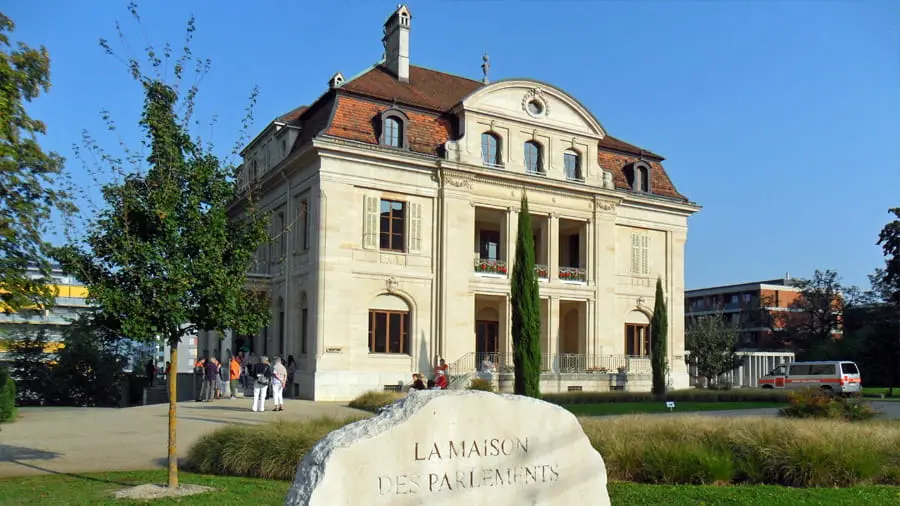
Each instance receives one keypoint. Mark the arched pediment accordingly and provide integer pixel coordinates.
(533, 102)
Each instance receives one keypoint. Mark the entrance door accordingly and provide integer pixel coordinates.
(487, 344)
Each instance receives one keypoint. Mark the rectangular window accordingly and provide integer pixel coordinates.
(304, 224)
(392, 229)
(799, 370)
(849, 368)
(570, 160)
(489, 244)
(388, 332)
(640, 254)
(304, 330)
(574, 250)
(282, 237)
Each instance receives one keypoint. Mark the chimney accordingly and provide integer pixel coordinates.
(396, 43)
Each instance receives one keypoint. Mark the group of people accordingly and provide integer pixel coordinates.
(152, 372)
(440, 380)
(267, 379)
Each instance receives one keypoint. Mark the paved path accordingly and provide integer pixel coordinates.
(76, 440)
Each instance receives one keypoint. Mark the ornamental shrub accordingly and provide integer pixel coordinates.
(481, 384)
(818, 403)
(7, 396)
(375, 400)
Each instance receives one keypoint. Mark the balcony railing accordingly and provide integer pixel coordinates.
(488, 266)
(542, 271)
(572, 274)
(478, 362)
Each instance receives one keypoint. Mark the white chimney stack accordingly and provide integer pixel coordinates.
(396, 43)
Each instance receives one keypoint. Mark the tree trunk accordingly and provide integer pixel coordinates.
(173, 381)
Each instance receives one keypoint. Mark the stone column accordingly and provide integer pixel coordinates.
(588, 246)
(512, 221)
(553, 243)
(553, 331)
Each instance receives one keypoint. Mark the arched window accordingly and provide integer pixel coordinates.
(644, 178)
(393, 128)
(490, 149)
(637, 334)
(637, 175)
(389, 325)
(392, 131)
(533, 158)
(304, 324)
(572, 163)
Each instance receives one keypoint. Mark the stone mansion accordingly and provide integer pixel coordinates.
(394, 199)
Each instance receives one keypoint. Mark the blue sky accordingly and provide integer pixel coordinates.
(779, 118)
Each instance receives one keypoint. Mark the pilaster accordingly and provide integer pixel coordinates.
(553, 243)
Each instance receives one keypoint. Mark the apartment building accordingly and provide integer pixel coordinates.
(70, 300)
(758, 309)
(394, 200)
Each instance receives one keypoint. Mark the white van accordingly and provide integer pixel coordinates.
(838, 376)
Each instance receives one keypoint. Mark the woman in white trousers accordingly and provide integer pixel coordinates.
(262, 375)
(279, 380)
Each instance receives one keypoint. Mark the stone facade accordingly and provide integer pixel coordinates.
(394, 207)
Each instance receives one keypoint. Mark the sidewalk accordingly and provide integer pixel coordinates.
(77, 440)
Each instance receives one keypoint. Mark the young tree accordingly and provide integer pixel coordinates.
(816, 315)
(526, 311)
(164, 258)
(659, 331)
(29, 178)
(713, 345)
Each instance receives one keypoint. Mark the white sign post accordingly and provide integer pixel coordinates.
(670, 405)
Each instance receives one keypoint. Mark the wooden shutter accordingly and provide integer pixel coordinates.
(645, 254)
(370, 222)
(635, 253)
(414, 227)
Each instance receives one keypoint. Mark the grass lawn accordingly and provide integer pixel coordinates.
(96, 489)
(625, 408)
(881, 391)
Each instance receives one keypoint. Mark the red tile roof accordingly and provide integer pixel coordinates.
(434, 94)
(426, 88)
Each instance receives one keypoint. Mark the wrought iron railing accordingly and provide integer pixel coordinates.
(488, 266)
(497, 362)
(572, 274)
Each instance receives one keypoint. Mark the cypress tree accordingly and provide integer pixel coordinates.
(659, 331)
(526, 311)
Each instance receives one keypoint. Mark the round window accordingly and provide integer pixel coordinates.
(535, 107)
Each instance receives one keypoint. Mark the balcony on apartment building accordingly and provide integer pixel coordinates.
(494, 247)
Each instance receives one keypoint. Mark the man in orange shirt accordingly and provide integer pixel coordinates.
(235, 374)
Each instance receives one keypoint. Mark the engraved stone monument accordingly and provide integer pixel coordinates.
(455, 447)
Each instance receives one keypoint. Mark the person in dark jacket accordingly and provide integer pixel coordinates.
(261, 378)
(210, 378)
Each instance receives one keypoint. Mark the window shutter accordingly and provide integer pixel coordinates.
(414, 224)
(635, 254)
(370, 222)
(645, 254)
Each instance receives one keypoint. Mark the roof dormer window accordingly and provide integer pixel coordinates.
(393, 129)
(637, 175)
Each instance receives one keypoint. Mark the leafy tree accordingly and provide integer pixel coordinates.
(526, 311)
(30, 365)
(7, 396)
(886, 283)
(28, 176)
(659, 331)
(164, 258)
(713, 346)
(816, 315)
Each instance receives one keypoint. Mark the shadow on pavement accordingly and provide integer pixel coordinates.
(16, 454)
